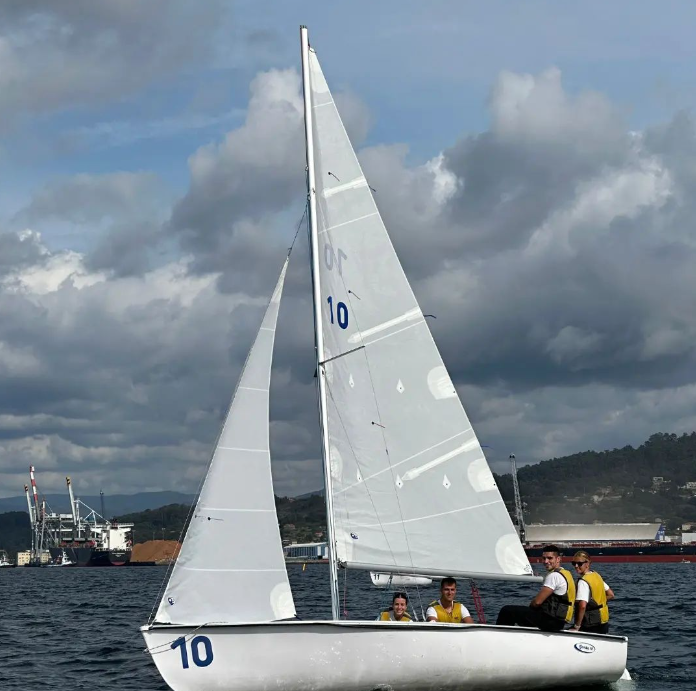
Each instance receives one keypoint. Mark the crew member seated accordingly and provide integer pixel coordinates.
(397, 611)
(445, 609)
(552, 607)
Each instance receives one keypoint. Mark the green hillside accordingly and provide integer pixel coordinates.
(607, 486)
(612, 486)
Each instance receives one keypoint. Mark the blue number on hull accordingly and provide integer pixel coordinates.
(195, 651)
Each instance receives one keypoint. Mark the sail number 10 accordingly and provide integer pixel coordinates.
(201, 651)
(341, 312)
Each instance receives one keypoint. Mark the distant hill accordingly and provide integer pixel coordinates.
(607, 486)
(612, 486)
(114, 504)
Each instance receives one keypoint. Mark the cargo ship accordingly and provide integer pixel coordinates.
(604, 542)
(623, 552)
(85, 536)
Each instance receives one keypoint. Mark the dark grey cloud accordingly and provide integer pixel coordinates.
(60, 55)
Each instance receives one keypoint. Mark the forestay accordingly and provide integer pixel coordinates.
(231, 566)
(411, 485)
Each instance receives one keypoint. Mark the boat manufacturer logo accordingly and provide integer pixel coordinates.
(170, 600)
(354, 536)
(584, 647)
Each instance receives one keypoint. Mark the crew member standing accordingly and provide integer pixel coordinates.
(552, 607)
(591, 608)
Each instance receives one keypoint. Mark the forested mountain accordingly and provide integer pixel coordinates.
(612, 486)
(607, 486)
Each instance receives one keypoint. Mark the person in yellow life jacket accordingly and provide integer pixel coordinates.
(591, 608)
(397, 611)
(445, 609)
(552, 607)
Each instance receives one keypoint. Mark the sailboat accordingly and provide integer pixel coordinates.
(408, 489)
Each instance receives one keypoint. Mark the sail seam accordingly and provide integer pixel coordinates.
(355, 184)
(405, 460)
(413, 313)
(266, 328)
(345, 223)
(433, 515)
(393, 333)
(320, 105)
(253, 388)
(239, 448)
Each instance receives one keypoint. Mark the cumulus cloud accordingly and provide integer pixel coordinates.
(555, 249)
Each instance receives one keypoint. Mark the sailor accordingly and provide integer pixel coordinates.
(446, 609)
(397, 611)
(552, 607)
(591, 608)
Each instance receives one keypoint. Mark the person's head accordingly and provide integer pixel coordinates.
(551, 557)
(581, 561)
(448, 589)
(399, 604)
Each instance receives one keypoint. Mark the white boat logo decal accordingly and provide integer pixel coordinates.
(170, 600)
(354, 536)
(585, 647)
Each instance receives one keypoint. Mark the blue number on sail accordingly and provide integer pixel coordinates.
(195, 651)
(341, 312)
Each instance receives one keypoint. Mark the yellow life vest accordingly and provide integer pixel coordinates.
(388, 615)
(444, 616)
(597, 611)
(561, 606)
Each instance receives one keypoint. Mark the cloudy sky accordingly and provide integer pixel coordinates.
(535, 164)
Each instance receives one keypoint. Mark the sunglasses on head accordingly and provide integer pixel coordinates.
(578, 563)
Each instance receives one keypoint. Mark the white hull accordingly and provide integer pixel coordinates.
(388, 580)
(362, 656)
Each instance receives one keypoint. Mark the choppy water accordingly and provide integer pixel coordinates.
(78, 628)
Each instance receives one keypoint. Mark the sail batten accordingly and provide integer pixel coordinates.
(409, 481)
(231, 565)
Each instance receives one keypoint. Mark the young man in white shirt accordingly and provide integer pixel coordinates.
(445, 609)
(552, 607)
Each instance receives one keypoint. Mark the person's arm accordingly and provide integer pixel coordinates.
(430, 614)
(609, 592)
(543, 594)
(580, 607)
(468, 620)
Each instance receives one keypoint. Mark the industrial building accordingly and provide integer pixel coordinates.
(306, 551)
(555, 533)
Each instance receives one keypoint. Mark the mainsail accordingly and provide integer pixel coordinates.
(231, 566)
(411, 487)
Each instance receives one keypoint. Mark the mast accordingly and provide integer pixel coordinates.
(32, 521)
(318, 333)
(519, 514)
(72, 507)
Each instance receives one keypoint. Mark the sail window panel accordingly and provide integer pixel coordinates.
(246, 426)
(239, 480)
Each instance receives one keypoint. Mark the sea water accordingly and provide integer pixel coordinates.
(77, 628)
